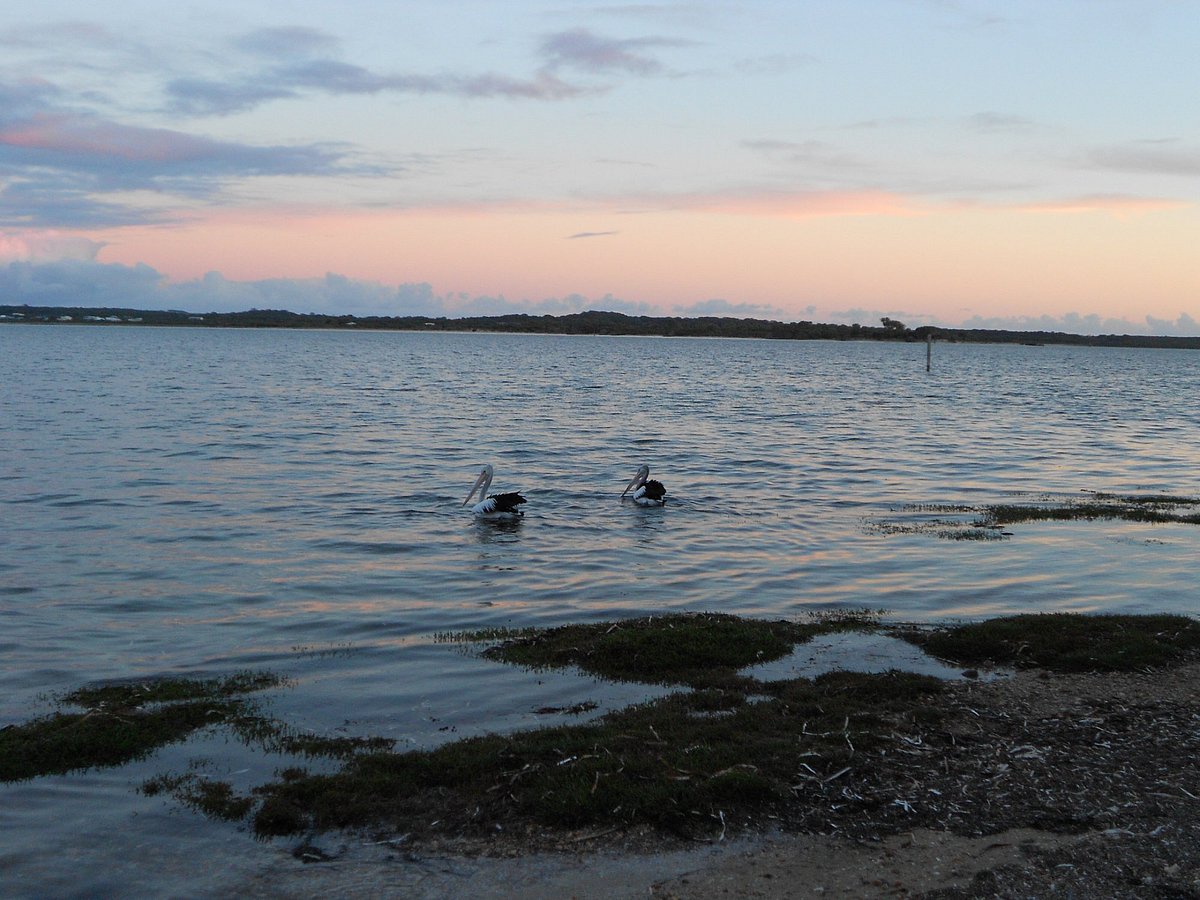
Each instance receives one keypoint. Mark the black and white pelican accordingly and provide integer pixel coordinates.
(494, 506)
(646, 491)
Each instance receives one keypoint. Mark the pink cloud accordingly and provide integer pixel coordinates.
(61, 133)
(1116, 204)
(41, 246)
(809, 204)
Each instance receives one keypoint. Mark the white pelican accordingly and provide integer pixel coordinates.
(646, 491)
(493, 506)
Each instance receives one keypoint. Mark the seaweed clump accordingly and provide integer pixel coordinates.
(863, 753)
(686, 764)
(990, 521)
(216, 799)
(732, 752)
(1067, 642)
(1154, 508)
(699, 649)
(123, 722)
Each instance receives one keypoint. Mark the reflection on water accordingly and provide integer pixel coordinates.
(203, 500)
(647, 522)
(498, 531)
(856, 651)
(167, 478)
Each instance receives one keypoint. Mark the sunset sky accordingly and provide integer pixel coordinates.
(989, 164)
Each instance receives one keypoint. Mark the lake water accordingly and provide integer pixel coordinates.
(199, 501)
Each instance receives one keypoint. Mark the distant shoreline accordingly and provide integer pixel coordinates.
(585, 323)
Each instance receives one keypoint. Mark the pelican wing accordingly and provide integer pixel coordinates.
(654, 490)
(506, 502)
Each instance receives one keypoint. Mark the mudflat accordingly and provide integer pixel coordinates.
(1039, 784)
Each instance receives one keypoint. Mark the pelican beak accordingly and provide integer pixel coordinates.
(637, 479)
(476, 487)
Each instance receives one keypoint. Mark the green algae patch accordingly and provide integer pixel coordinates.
(313, 745)
(1067, 642)
(730, 753)
(988, 522)
(1151, 508)
(65, 742)
(686, 764)
(121, 725)
(215, 799)
(169, 690)
(478, 635)
(697, 649)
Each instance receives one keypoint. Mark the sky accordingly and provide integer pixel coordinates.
(1029, 164)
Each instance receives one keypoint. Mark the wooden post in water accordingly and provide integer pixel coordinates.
(928, 350)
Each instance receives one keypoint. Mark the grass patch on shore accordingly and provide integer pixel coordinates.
(731, 751)
(126, 695)
(685, 764)
(1067, 642)
(119, 726)
(215, 799)
(696, 649)
(728, 752)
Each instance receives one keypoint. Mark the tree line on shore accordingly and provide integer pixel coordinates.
(590, 322)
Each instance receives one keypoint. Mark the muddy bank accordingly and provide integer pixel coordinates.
(1035, 785)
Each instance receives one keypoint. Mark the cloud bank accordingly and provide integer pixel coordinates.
(1077, 323)
(288, 63)
(75, 279)
(65, 167)
(83, 282)
(1068, 323)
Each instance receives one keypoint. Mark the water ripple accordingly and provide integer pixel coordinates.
(234, 494)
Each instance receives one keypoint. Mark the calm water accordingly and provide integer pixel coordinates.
(198, 501)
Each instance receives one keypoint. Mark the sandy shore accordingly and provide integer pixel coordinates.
(1038, 786)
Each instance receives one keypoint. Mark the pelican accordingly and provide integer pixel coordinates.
(646, 491)
(493, 506)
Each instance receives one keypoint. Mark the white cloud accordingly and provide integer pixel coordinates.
(725, 309)
(1149, 157)
(58, 270)
(46, 246)
(81, 281)
(1184, 326)
(1088, 323)
(582, 49)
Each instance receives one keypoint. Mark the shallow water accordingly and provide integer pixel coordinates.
(196, 501)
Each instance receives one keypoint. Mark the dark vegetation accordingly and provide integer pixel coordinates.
(699, 650)
(121, 724)
(133, 695)
(590, 322)
(1067, 642)
(732, 751)
(128, 721)
(724, 752)
(988, 521)
(1156, 508)
(215, 799)
(686, 764)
